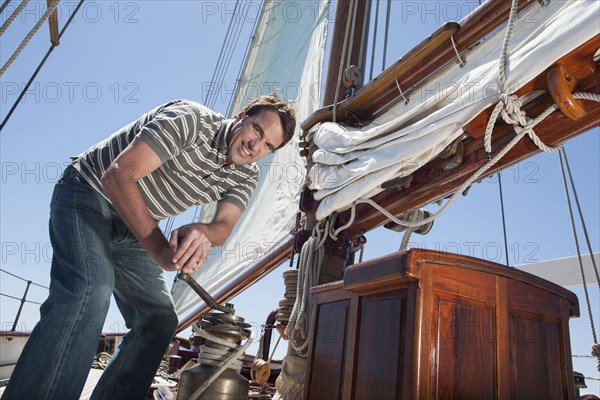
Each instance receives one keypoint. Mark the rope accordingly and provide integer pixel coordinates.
(213, 356)
(401, 94)
(341, 69)
(31, 33)
(585, 231)
(219, 358)
(23, 279)
(335, 233)
(310, 260)
(504, 53)
(39, 67)
(274, 348)
(13, 16)
(405, 239)
(412, 217)
(460, 60)
(596, 347)
(521, 132)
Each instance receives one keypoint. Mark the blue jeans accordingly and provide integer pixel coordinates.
(95, 256)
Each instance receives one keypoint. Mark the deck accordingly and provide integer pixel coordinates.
(90, 383)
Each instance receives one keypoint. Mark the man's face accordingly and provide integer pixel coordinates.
(253, 137)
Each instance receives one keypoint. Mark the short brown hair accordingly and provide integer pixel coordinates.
(285, 109)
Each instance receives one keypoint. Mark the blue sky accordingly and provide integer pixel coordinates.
(119, 59)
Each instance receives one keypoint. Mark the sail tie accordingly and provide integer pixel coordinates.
(460, 60)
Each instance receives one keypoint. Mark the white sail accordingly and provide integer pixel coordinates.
(286, 56)
(352, 163)
(565, 271)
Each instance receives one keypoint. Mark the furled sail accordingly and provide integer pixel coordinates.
(352, 164)
(286, 56)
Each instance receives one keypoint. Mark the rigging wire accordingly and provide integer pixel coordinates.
(585, 231)
(229, 55)
(363, 39)
(6, 2)
(23, 279)
(503, 217)
(230, 45)
(374, 40)
(39, 67)
(246, 52)
(16, 298)
(387, 32)
(219, 59)
(585, 289)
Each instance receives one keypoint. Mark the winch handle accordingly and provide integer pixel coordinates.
(204, 295)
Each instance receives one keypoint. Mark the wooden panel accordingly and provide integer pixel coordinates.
(327, 368)
(443, 326)
(536, 357)
(380, 360)
(466, 354)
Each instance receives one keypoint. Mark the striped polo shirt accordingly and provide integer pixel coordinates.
(191, 141)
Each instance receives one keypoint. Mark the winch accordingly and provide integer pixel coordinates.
(216, 376)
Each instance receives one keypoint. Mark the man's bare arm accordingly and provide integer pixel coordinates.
(190, 244)
(193, 241)
(119, 184)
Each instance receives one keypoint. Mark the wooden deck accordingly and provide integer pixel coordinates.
(90, 383)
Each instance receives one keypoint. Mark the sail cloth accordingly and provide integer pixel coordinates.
(285, 56)
(351, 164)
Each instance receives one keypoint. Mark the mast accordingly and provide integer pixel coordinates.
(423, 188)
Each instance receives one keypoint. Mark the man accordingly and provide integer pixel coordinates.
(105, 237)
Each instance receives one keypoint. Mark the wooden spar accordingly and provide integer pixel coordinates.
(410, 71)
(431, 182)
(53, 24)
(241, 282)
(337, 43)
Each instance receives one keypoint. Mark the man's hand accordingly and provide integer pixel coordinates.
(190, 247)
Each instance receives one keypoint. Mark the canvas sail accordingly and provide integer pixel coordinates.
(352, 163)
(286, 56)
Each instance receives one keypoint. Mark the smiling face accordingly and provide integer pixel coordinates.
(253, 137)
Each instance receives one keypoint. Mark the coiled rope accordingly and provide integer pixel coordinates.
(311, 258)
(230, 358)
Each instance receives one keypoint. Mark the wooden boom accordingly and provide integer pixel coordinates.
(575, 72)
